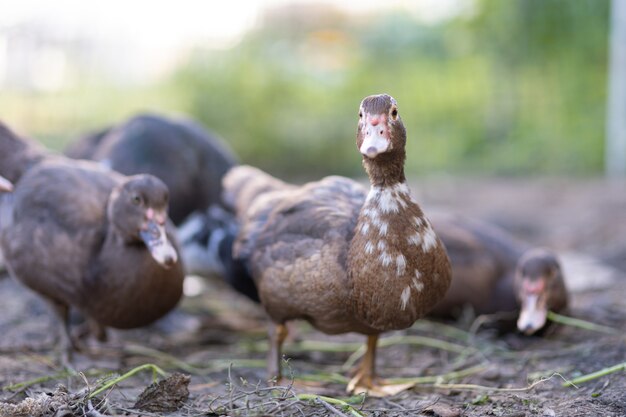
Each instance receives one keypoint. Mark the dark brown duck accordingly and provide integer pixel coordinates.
(492, 272)
(337, 256)
(86, 237)
(187, 158)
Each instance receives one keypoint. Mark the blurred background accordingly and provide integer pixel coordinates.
(492, 87)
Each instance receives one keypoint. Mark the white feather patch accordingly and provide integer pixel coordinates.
(388, 202)
(369, 248)
(415, 239)
(404, 297)
(385, 259)
(429, 238)
(400, 264)
(382, 228)
(417, 281)
(373, 193)
(402, 188)
(419, 286)
(373, 214)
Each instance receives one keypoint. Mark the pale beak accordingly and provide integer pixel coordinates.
(376, 138)
(161, 249)
(533, 314)
(5, 185)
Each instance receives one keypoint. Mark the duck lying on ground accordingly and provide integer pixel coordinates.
(492, 272)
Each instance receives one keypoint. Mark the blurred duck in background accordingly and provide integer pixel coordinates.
(85, 237)
(492, 272)
(187, 158)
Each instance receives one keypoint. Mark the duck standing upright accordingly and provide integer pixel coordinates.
(86, 237)
(337, 256)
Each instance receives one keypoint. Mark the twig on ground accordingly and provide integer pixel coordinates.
(473, 387)
(409, 340)
(602, 372)
(45, 378)
(155, 370)
(442, 329)
(210, 366)
(330, 408)
(419, 380)
(582, 324)
(330, 400)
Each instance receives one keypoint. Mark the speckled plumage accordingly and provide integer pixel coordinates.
(330, 252)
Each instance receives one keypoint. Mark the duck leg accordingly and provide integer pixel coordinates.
(277, 335)
(366, 380)
(90, 327)
(66, 342)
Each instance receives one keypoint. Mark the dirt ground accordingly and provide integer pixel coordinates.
(218, 338)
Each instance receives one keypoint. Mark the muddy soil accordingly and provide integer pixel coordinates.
(217, 338)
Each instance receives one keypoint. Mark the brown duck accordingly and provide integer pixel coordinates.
(337, 256)
(492, 272)
(86, 237)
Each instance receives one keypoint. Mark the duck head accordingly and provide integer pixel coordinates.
(380, 129)
(539, 287)
(5, 185)
(138, 210)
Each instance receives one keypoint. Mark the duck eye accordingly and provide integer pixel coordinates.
(136, 200)
(394, 113)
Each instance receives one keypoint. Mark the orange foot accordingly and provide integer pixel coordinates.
(375, 387)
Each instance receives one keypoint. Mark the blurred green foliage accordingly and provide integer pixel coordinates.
(515, 87)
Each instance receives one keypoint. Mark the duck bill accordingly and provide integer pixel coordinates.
(376, 138)
(161, 249)
(533, 314)
(5, 185)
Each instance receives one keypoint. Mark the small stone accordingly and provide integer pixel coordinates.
(166, 395)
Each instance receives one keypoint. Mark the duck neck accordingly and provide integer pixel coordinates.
(386, 170)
